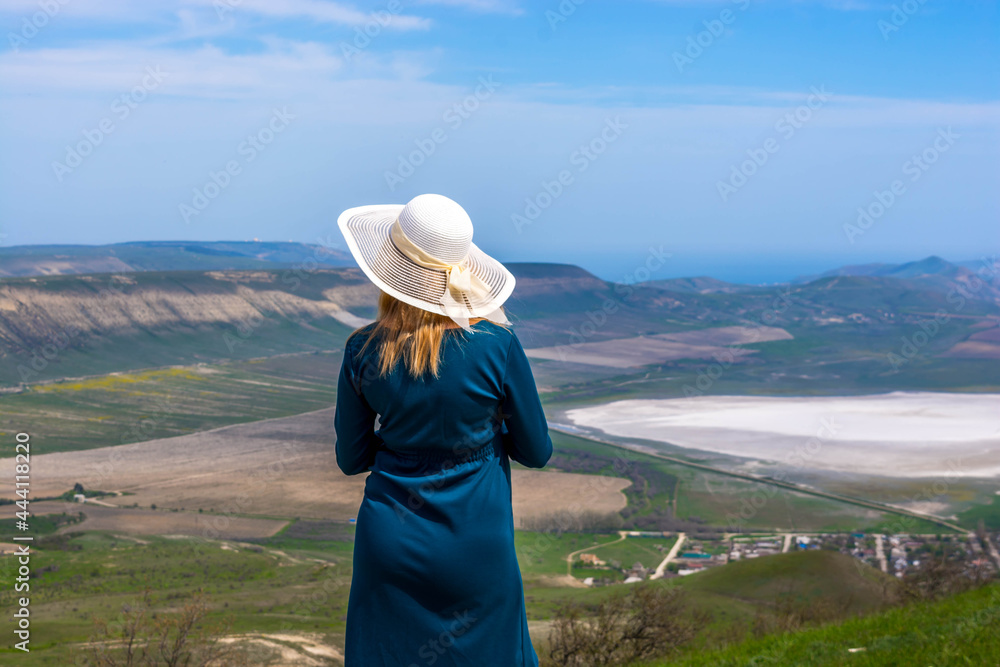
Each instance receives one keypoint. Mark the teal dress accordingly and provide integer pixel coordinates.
(436, 580)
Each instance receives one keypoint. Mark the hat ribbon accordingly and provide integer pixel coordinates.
(460, 278)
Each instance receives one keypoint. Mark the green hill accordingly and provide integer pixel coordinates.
(801, 577)
(961, 630)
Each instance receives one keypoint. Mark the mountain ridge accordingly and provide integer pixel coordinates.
(170, 317)
(142, 256)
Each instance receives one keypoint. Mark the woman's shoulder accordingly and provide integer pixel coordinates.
(356, 341)
(493, 335)
(501, 331)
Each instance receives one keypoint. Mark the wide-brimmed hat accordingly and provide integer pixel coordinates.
(422, 254)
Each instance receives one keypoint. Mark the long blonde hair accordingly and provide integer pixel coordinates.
(409, 334)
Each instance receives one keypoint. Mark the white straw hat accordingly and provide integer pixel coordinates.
(422, 254)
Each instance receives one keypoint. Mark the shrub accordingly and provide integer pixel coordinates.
(650, 622)
(142, 637)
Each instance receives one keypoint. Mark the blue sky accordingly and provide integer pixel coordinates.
(742, 137)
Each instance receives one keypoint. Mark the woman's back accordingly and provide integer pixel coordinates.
(484, 386)
(436, 579)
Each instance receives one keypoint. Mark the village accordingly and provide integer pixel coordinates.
(895, 554)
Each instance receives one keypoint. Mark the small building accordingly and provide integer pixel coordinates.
(637, 571)
(591, 559)
(79, 497)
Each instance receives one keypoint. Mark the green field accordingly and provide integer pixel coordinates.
(144, 405)
(988, 515)
(706, 500)
(94, 574)
(632, 550)
(544, 554)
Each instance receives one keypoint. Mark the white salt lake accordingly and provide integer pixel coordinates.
(901, 434)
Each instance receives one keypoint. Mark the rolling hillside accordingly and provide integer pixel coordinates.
(803, 577)
(959, 630)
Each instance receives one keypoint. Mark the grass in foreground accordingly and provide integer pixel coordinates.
(962, 630)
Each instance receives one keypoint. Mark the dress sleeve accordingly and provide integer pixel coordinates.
(354, 422)
(527, 437)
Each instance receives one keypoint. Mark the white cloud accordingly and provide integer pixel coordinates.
(207, 71)
(840, 5)
(312, 71)
(485, 6)
(317, 10)
(118, 11)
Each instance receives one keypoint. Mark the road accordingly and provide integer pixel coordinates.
(788, 543)
(569, 559)
(662, 567)
(95, 501)
(880, 554)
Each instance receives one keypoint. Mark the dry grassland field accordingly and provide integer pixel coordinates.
(283, 467)
(159, 522)
(981, 345)
(900, 434)
(660, 348)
